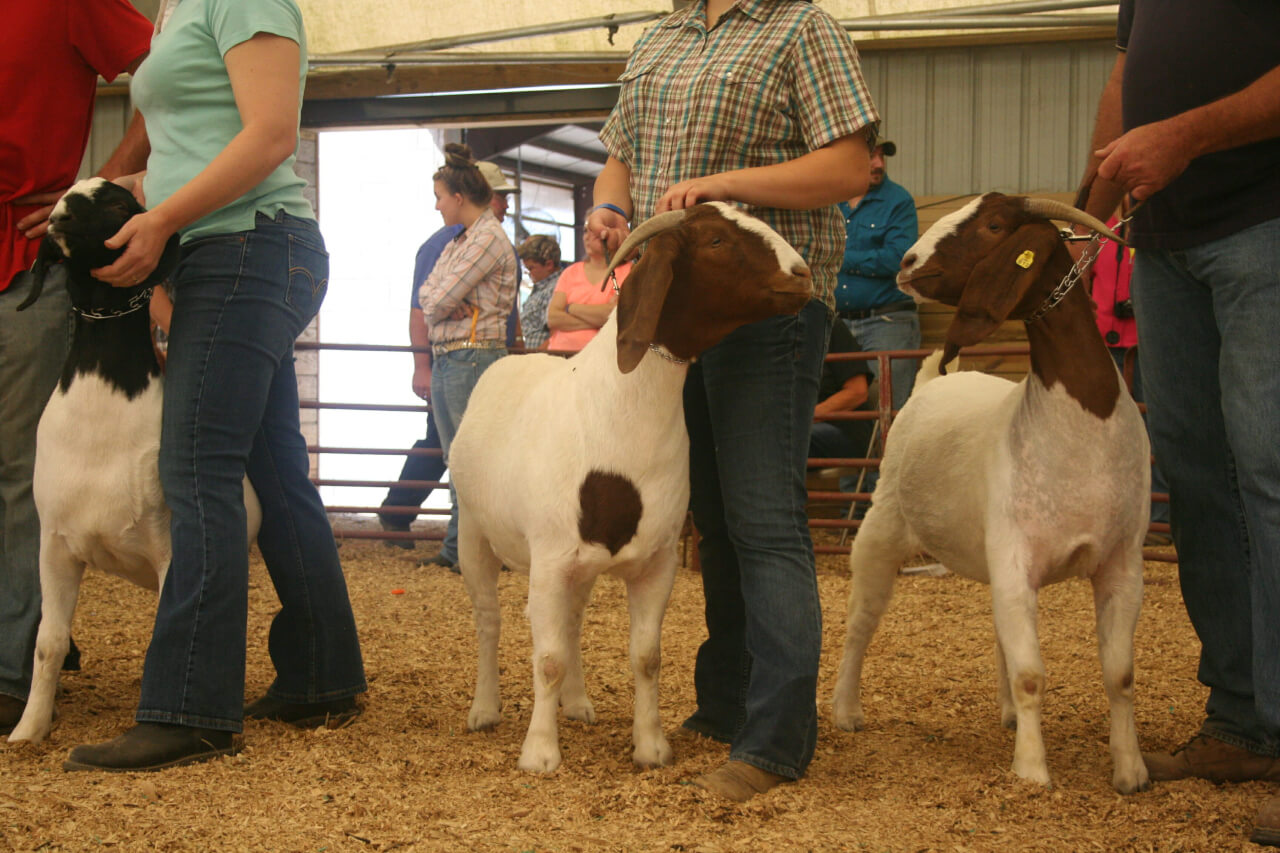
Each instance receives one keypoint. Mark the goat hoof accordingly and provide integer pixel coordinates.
(658, 754)
(850, 720)
(1131, 783)
(482, 721)
(584, 712)
(533, 760)
(1038, 775)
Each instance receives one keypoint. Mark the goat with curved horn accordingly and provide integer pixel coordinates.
(1052, 209)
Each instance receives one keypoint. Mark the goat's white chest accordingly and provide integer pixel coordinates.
(1067, 470)
(96, 483)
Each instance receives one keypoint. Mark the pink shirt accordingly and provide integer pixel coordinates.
(578, 291)
(1111, 285)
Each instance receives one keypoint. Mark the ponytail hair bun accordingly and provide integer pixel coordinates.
(460, 175)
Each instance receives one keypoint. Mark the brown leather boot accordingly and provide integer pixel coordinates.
(1206, 757)
(738, 781)
(1266, 826)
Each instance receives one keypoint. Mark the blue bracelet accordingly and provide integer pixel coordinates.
(612, 207)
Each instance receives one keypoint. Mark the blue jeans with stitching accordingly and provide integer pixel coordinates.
(453, 377)
(748, 406)
(231, 408)
(1211, 375)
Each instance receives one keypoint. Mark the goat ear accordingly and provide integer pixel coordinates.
(49, 254)
(997, 284)
(640, 303)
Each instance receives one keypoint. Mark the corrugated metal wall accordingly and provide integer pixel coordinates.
(1012, 118)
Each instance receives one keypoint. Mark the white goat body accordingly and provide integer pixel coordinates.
(1015, 485)
(572, 468)
(96, 483)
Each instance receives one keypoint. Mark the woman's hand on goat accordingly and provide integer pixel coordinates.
(695, 191)
(144, 237)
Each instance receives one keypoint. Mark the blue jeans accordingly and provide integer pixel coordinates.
(453, 376)
(1159, 511)
(1211, 374)
(748, 406)
(33, 346)
(896, 330)
(231, 408)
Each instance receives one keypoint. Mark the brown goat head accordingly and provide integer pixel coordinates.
(996, 258)
(706, 271)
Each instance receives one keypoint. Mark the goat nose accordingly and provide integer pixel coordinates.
(908, 260)
(801, 269)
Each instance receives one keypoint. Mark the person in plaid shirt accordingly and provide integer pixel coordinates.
(466, 301)
(761, 103)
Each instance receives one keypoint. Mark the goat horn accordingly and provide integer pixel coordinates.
(651, 226)
(1053, 209)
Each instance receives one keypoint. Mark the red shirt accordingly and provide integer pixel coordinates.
(51, 53)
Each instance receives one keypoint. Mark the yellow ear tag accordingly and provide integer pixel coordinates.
(1026, 259)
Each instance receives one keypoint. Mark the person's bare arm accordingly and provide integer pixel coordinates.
(1150, 157)
(264, 80)
(420, 336)
(1104, 196)
(559, 318)
(850, 396)
(837, 171)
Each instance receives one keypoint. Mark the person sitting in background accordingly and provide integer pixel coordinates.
(580, 306)
(843, 387)
(540, 255)
(1110, 274)
(880, 225)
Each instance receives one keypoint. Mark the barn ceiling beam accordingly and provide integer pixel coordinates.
(475, 108)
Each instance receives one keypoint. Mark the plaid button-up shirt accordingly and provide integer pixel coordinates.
(477, 270)
(773, 81)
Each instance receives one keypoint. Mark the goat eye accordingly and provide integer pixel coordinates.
(715, 241)
(994, 226)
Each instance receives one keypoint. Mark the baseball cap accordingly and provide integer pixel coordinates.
(497, 181)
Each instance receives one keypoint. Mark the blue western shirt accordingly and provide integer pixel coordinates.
(877, 235)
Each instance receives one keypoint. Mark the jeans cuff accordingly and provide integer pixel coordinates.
(1232, 739)
(190, 720)
(761, 764)
(312, 698)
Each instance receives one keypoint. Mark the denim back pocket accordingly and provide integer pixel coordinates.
(308, 275)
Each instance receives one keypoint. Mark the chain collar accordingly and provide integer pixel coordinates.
(663, 352)
(1077, 269)
(137, 302)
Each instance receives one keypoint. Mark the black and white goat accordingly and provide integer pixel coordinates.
(570, 468)
(1015, 485)
(96, 485)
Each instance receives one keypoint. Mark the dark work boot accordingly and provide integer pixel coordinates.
(153, 746)
(304, 715)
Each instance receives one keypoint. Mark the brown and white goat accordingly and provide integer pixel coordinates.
(571, 468)
(1015, 485)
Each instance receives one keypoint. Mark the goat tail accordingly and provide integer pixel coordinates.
(931, 368)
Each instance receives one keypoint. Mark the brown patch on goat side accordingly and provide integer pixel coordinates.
(1066, 348)
(610, 510)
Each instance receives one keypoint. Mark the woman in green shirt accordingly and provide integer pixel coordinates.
(221, 95)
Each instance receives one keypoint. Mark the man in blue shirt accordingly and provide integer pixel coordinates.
(880, 226)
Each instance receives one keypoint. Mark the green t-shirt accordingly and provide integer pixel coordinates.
(184, 94)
